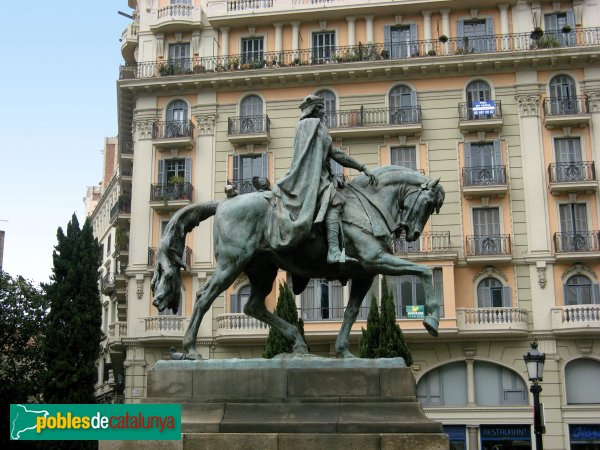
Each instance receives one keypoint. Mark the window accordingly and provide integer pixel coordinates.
(404, 156)
(108, 244)
(574, 234)
(569, 167)
(403, 105)
(179, 58)
(498, 386)
(556, 23)
(479, 91)
(400, 41)
(322, 299)
(239, 300)
(579, 374)
(329, 101)
(563, 96)
(251, 115)
(246, 168)
(486, 231)
(476, 36)
(252, 51)
(483, 164)
(579, 290)
(408, 291)
(174, 178)
(323, 46)
(444, 386)
(177, 124)
(363, 313)
(492, 294)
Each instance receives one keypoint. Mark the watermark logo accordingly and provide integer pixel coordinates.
(95, 422)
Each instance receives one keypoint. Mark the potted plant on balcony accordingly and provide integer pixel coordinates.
(443, 38)
(431, 52)
(566, 29)
(537, 33)
(385, 54)
(178, 189)
(199, 69)
(234, 64)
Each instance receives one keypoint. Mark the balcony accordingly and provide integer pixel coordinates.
(484, 181)
(430, 245)
(116, 332)
(566, 112)
(249, 130)
(121, 209)
(488, 248)
(187, 257)
(164, 326)
(170, 196)
(576, 319)
(129, 42)
(491, 320)
(239, 325)
(577, 176)
(480, 116)
(107, 283)
(577, 245)
(375, 122)
(173, 134)
(177, 17)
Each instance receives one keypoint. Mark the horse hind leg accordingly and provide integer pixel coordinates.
(261, 284)
(360, 287)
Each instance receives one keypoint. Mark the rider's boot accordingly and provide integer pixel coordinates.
(332, 220)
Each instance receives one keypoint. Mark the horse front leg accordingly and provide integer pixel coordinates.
(360, 287)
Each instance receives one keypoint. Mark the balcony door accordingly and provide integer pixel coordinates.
(403, 102)
(573, 226)
(486, 230)
(329, 101)
(176, 119)
(252, 50)
(251, 115)
(322, 300)
(563, 96)
(491, 294)
(483, 163)
(477, 91)
(179, 57)
(323, 46)
(579, 290)
(555, 23)
(245, 168)
(401, 41)
(476, 36)
(567, 154)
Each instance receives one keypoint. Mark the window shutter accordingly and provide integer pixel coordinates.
(506, 297)
(497, 153)
(489, 31)
(265, 165)
(161, 172)
(571, 19)
(596, 293)
(233, 303)
(551, 22)
(460, 33)
(414, 45)
(236, 167)
(387, 38)
(467, 154)
(188, 170)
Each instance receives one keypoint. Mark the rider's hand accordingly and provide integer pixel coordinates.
(372, 178)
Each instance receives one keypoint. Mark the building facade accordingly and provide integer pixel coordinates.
(500, 99)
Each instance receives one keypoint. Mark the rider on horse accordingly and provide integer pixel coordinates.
(309, 193)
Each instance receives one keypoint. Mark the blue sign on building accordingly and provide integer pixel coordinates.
(584, 433)
(484, 108)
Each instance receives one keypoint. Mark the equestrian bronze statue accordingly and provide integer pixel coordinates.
(297, 227)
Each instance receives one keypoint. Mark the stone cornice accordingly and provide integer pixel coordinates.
(529, 105)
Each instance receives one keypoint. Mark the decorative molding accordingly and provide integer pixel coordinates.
(205, 123)
(593, 101)
(251, 31)
(242, 279)
(556, 6)
(578, 10)
(578, 268)
(322, 24)
(474, 13)
(489, 271)
(584, 347)
(196, 42)
(139, 288)
(536, 11)
(142, 129)
(529, 105)
(541, 273)
(398, 19)
(178, 37)
(469, 350)
(160, 45)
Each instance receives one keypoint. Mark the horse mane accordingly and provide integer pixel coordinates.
(398, 174)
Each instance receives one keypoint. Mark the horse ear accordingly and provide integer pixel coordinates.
(433, 183)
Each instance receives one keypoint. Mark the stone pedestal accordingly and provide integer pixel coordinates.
(296, 403)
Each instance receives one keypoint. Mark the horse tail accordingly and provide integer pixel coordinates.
(191, 216)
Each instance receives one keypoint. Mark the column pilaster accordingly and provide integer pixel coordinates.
(351, 30)
(369, 28)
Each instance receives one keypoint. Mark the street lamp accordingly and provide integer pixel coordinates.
(534, 360)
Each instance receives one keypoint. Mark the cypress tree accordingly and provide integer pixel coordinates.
(286, 309)
(369, 341)
(391, 343)
(73, 333)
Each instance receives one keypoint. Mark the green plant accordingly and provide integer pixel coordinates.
(234, 63)
(166, 69)
(176, 179)
(385, 54)
(566, 29)
(546, 42)
(443, 38)
(536, 33)
(199, 69)
(431, 52)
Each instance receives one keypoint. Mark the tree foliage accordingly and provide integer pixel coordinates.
(385, 340)
(73, 333)
(286, 309)
(22, 312)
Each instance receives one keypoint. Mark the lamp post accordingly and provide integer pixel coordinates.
(534, 360)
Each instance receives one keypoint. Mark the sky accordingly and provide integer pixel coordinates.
(58, 95)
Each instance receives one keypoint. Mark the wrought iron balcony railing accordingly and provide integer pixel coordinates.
(429, 242)
(375, 117)
(484, 176)
(247, 185)
(123, 205)
(173, 129)
(311, 314)
(493, 245)
(171, 191)
(107, 281)
(566, 106)
(572, 172)
(577, 241)
(187, 256)
(248, 125)
(499, 43)
(491, 109)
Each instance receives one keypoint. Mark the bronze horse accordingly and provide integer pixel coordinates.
(241, 243)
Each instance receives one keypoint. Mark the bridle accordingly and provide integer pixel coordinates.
(406, 213)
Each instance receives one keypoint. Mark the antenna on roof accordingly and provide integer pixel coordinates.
(125, 14)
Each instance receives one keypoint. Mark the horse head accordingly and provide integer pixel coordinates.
(418, 204)
(166, 280)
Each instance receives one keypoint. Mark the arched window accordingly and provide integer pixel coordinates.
(563, 96)
(330, 108)
(251, 115)
(444, 386)
(403, 105)
(579, 290)
(239, 300)
(479, 91)
(492, 294)
(579, 374)
(498, 386)
(177, 124)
